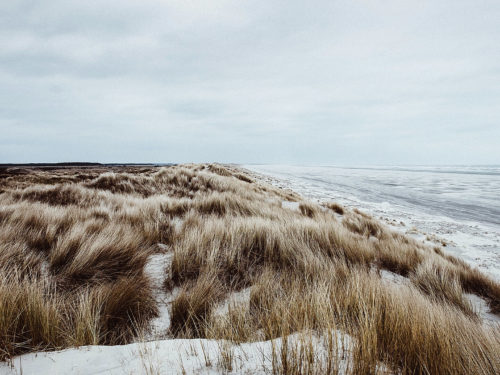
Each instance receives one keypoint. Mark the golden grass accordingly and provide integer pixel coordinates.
(335, 207)
(74, 243)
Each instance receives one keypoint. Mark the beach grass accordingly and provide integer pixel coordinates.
(74, 243)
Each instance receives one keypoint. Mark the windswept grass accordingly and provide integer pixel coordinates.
(74, 244)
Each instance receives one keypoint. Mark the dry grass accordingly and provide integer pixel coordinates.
(73, 245)
(335, 207)
(192, 306)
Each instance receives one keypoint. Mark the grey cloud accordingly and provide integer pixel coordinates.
(258, 81)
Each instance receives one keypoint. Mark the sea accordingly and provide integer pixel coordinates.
(458, 206)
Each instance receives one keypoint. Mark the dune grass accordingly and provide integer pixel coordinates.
(74, 243)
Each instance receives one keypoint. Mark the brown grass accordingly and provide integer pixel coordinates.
(335, 207)
(74, 243)
(191, 308)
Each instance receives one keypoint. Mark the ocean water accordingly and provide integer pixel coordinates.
(459, 205)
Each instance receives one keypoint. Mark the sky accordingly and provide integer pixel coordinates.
(337, 82)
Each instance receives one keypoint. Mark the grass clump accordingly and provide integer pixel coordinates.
(335, 207)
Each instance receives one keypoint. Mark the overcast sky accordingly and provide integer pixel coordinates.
(310, 82)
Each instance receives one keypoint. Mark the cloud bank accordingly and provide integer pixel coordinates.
(325, 82)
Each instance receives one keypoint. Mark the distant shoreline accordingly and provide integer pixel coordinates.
(81, 165)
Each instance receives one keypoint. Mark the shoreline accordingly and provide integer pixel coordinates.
(475, 242)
